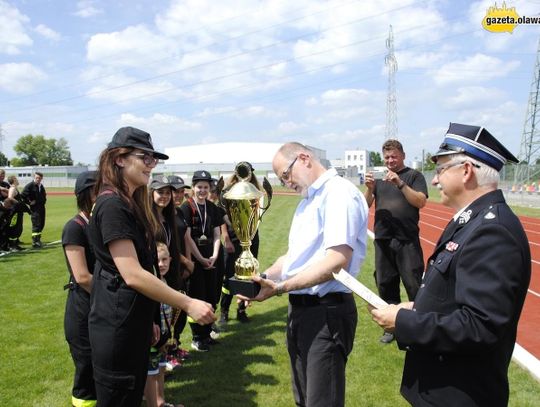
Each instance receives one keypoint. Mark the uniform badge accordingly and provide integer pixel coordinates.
(465, 217)
(203, 174)
(164, 179)
(490, 215)
(452, 246)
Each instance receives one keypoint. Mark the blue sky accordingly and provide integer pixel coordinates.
(201, 71)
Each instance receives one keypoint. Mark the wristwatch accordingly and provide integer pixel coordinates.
(401, 184)
(279, 289)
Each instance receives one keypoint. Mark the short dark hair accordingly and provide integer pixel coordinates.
(392, 144)
(85, 201)
(38, 173)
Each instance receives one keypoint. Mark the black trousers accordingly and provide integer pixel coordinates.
(76, 331)
(120, 326)
(319, 340)
(38, 219)
(395, 259)
(202, 286)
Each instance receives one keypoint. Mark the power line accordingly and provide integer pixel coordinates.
(219, 60)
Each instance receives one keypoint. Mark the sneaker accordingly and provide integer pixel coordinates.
(200, 346)
(386, 338)
(172, 364)
(182, 354)
(242, 316)
(215, 332)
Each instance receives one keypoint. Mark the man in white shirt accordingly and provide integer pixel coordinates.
(328, 233)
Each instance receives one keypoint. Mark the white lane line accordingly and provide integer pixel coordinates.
(533, 292)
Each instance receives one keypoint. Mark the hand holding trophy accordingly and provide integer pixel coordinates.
(242, 201)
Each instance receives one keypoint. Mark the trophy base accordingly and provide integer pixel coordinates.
(247, 288)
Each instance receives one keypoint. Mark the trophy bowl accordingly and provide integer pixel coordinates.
(242, 202)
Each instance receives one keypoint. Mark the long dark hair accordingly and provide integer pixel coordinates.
(109, 177)
(169, 214)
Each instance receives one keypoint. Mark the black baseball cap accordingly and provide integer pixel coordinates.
(177, 182)
(476, 142)
(160, 182)
(132, 137)
(86, 179)
(201, 175)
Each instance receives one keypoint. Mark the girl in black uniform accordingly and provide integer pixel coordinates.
(126, 290)
(188, 266)
(203, 239)
(80, 262)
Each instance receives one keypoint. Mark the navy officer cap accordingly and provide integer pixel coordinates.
(476, 142)
(85, 180)
(135, 138)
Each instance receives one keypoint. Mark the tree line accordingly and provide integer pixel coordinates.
(38, 150)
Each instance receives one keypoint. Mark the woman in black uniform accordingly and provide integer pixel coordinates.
(80, 262)
(126, 290)
(203, 239)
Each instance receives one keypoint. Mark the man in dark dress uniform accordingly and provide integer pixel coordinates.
(35, 195)
(460, 331)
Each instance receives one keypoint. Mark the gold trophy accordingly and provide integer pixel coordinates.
(242, 201)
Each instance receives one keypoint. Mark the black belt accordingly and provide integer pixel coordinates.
(306, 300)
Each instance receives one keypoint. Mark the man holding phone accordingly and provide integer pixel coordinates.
(398, 195)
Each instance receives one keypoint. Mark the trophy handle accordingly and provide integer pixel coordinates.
(220, 192)
(268, 188)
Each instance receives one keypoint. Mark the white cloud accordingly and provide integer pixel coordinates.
(473, 69)
(87, 8)
(211, 111)
(345, 97)
(20, 77)
(135, 46)
(47, 32)
(499, 115)
(159, 120)
(13, 34)
(290, 127)
(473, 96)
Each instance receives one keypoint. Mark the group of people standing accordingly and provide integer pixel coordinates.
(144, 259)
(136, 249)
(13, 205)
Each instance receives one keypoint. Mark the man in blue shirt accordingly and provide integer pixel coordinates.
(328, 233)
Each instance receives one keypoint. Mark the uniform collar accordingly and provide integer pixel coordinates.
(471, 210)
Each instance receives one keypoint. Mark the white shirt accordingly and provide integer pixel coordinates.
(334, 213)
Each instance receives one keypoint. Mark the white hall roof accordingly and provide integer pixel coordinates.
(232, 152)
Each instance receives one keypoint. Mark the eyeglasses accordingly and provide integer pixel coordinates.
(148, 159)
(442, 168)
(287, 173)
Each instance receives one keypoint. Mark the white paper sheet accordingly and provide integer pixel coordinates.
(359, 289)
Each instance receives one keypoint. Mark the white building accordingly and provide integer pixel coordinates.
(220, 159)
(356, 160)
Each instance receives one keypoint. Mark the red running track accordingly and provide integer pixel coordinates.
(433, 219)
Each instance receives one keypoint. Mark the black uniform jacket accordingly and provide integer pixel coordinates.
(32, 192)
(461, 333)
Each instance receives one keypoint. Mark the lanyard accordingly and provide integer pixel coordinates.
(200, 216)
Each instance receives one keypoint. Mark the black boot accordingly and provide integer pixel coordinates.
(241, 313)
(36, 242)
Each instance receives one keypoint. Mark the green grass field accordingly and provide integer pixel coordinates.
(250, 368)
